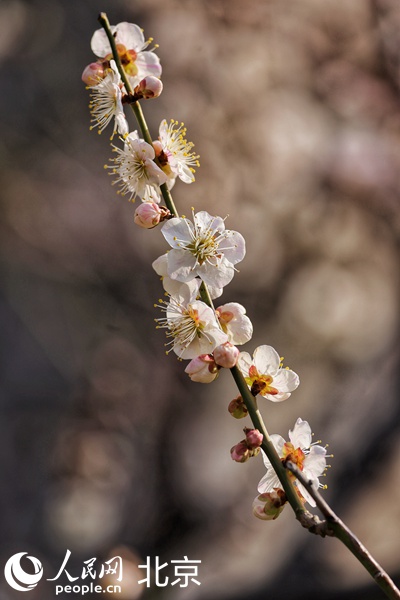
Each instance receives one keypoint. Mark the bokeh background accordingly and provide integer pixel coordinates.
(106, 446)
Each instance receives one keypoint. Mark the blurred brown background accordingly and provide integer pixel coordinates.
(106, 446)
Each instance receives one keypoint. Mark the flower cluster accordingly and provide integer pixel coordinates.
(200, 260)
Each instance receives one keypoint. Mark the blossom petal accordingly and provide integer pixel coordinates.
(280, 397)
(181, 265)
(300, 435)
(286, 380)
(178, 232)
(244, 363)
(130, 35)
(278, 443)
(269, 482)
(306, 495)
(266, 360)
(205, 221)
(99, 43)
(233, 246)
(216, 275)
(315, 462)
(148, 63)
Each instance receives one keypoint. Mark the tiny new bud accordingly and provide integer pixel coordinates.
(149, 87)
(254, 438)
(226, 355)
(269, 506)
(93, 74)
(237, 408)
(202, 369)
(240, 452)
(148, 215)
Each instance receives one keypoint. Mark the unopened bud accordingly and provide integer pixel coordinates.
(148, 215)
(269, 506)
(237, 408)
(253, 438)
(202, 369)
(149, 87)
(240, 452)
(93, 74)
(226, 355)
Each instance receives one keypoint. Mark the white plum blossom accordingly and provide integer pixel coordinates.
(175, 152)
(234, 321)
(204, 249)
(171, 286)
(309, 458)
(131, 47)
(137, 173)
(106, 102)
(190, 323)
(265, 375)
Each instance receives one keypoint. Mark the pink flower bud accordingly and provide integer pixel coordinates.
(237, 408)
(240, 452)
(149, 87)
(253, 438)
(148, 215)
(226, 355)
(92, 74)
(269, 506)
(202, 369)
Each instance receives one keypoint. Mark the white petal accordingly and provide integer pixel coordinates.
(160, 265)
(206, 221)
(148, 63)
(154, 173)
(233, 247)
(178, 232)
(300, 435)
(286, 380)
(240, 330)
(276, 397)
(266, 360)
(130, 35)
(244, 363)
(315, 462)
(233, 307)
(269, 482)
(215, 292)
(307, 497)
(278, 443)
(121, 124)
(184, 173)
(181, 265)
(142, 149)
(216, 275)
(100, 44)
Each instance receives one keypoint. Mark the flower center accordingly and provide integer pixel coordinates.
(128, 59)
(295, 455)
(204, 248)
(260, 384)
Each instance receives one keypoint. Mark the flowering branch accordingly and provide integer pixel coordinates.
(137, 109)
(333, 526)
(200, 262)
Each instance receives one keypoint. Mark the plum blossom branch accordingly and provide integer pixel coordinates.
(333, 526)
(137, 109)
(201, 262)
